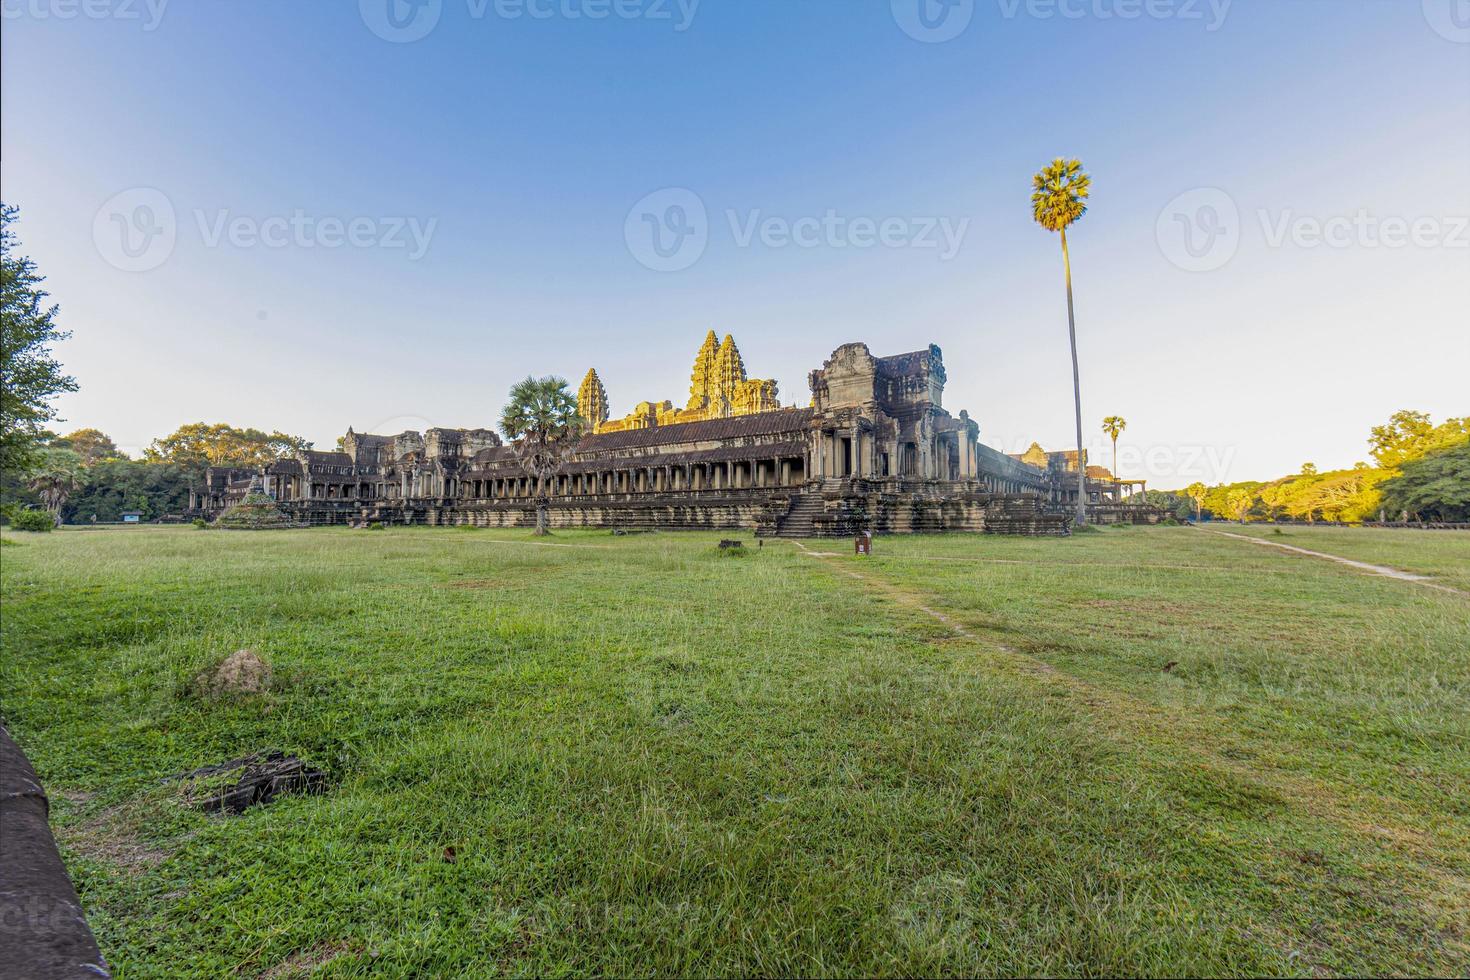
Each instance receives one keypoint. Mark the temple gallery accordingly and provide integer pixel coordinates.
(874, 450)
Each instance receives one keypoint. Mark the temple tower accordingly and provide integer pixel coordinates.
(729, 377)
(701, 379)
(592, 401)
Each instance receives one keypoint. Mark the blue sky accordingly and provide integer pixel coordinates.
(1314, 151)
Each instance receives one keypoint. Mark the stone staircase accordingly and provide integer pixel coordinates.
(801, 520)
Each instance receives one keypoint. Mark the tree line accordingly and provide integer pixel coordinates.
(82, 477)
(1420, 472)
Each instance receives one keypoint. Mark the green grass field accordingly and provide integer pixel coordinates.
(636, 756)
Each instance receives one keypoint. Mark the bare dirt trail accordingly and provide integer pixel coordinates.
(1382, 570)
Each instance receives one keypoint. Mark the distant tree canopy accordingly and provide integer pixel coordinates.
(1410, 435)
(92, 445)
(29, 375)
(1421, 471)
(117, 485)
(83, 477)
(200, 445)
(1434, 487)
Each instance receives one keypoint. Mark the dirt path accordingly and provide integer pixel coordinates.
(1383, 570)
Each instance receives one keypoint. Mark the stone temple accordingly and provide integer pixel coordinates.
(875, 450)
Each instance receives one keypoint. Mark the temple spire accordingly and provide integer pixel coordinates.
(702, 378)
(592, 401)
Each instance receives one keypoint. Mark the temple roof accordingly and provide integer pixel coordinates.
(315, 457)
(913, 364)
(760, 424)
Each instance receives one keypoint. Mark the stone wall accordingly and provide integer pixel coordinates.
(836, 508)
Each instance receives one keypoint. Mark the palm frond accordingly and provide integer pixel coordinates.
(1059, 194)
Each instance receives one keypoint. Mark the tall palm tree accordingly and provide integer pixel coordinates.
(56, 474)
(1114, 425)
(1058, 201)
(542, 423)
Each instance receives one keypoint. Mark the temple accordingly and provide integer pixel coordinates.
(875, 450)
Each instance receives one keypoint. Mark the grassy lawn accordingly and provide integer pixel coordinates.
(1445, 555)
(634, 755)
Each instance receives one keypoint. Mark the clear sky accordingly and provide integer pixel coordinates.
(297, 216)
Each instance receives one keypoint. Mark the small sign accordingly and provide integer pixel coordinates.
(863, 545)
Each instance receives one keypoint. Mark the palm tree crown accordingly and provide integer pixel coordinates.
(57, 474)
(540, 411)
(542, 423)
(1059, 194)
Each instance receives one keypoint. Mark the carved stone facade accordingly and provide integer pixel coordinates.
(875, 451)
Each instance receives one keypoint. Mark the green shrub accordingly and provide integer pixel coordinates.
(1087, 529)
(200, 523)
(33, 520)
(375, 526)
